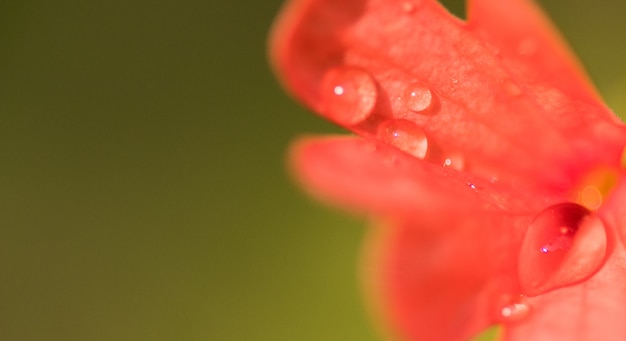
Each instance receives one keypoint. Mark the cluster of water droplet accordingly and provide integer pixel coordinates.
(351, 97)
(565, 243)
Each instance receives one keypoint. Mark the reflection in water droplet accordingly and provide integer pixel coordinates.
(404, 135)
(565, 244)
(348, 95)
(419, 98)
(471, 185)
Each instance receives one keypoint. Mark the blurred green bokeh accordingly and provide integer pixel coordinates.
(143, 193)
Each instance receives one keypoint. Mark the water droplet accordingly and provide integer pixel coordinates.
(511, 308)
(349, 95)
(454, 161)
(471, 185)
(454, 82)
(404, 135)
(514, 311)
(419, 98)
(565, 244)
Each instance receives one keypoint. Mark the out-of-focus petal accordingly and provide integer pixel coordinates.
(371, 177)
(530, 47)
(445, 282)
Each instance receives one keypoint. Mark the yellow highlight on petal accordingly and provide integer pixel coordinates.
(591, 197)
(594, 187)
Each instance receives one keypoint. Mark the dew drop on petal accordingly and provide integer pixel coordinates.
(404, 135)
(348, 95)
(514, 311)
(419, 98)
(511, 308)
(564, 245)
(454, 161)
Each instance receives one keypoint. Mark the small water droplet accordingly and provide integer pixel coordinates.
(348, 94)
(419, 98)
(454, 161)
(454, 82)
(404, 135)
(515, 311)
(512, 308)
(471, 185)
(565, 244)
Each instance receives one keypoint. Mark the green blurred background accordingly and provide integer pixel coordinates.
(143, 193)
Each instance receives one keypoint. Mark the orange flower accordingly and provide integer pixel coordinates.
(485, 152)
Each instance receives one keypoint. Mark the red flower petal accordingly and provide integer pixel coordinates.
(530, 48)
(501, 100)
(364, 176)
(448, 286)
(372, 177)
(491, 107)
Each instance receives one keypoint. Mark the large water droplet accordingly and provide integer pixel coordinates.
(404, 135)
(419, 98)
(348, 94)
(564, 245)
